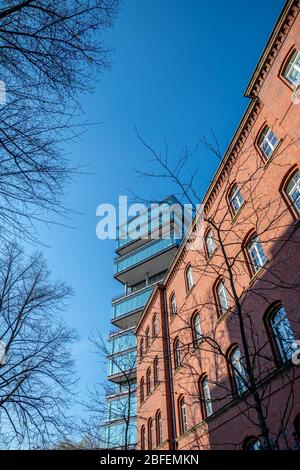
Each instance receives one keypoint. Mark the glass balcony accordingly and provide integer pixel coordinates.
(121, 407)
(122, 342)
(113, 435)
(147, 251)
(134, 302)
(122, 363)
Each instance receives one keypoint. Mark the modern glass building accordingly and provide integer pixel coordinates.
(144, 250)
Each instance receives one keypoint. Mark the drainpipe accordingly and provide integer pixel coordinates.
(170, 406)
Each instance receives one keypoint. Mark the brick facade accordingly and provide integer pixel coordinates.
(266, 212)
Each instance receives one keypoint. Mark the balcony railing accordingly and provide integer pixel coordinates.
(132, 303)
(147, 251)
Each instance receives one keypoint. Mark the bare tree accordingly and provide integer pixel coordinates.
(50, 52)
(227, 262)
(110, 408)
(37, 376)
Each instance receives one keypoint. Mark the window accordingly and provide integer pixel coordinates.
(256, 254)
(142, 391)
(143, 438)
(222, 295)
(196, 329)
(158, 423)
(210, 243)
(182, 415)
(236, 199)
(147, 338)
(293, 191)
(189, 278)
(154, 327)
(205, 398)
(267, 142)
(141, 349)
(252, 443)
(173, 305)
(282, 334)
(238, 372)
(177, 353)
(148, 381)
(156, 371)
(292, 70)
(150, 434)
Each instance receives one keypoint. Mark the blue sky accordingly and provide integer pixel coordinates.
(179, 68)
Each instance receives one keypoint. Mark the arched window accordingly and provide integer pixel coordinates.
(143, 438)
(282, 334)
(252, 443)
(267, 142)
(182, 415)
(156, 371)
(147, 338)
(148, 381)
(150, 434)
(196, 329)
(154, 326)
(293, 190)
(222, 296)
(205, 398)
(142, 390)
(141, 349)
(236, 199)
(189, 278)
(177, 353)
(292, 70)
(238, 372)
(173, 305)
(256, 253)
(158, 425)
(210, 242)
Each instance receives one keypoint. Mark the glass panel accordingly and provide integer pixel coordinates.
(256, 253)
(143, 253)
(122, 342)
(122, 363)
(239, 372)
(283, 334)
(131, 304)
(293, 190)
(207, 398)
(292, 71)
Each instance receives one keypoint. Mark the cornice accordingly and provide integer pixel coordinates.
(276, 40)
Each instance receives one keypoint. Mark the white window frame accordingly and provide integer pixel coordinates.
(222, 294)
(177, 353)
(292, 66)
(285, 352)
(266, 140)
(197, 333)
(206, 397)
(293, 186)
(236, 199)
(210, 243)
(190, 278)
(238, 371)
(255, 253)
(183, 416)
(173, 305)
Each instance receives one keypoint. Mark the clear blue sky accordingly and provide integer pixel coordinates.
(179, 67)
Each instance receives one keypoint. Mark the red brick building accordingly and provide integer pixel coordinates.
(219, 370)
